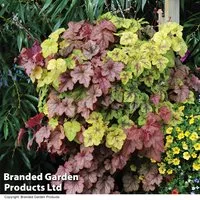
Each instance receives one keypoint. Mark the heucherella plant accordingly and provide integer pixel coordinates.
(107, 90)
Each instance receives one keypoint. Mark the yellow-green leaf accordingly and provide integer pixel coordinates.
(49, 47)
(71, 129)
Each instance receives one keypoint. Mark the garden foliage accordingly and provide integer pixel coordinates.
(106, 91)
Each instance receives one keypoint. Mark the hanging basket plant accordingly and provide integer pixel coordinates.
(106, 91)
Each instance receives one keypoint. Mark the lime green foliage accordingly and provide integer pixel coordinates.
(148, 62)
(71, 129)
(43, 91)
(170, 35)
(94, 134)
(50, 46)
(115, 138)
(142, 56)
(53, 122)
(54, 69)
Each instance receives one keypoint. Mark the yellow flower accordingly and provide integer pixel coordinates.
(196, 166)
(185, 146)
(186, 155)
(178, 129)
(194, 136)
(176, 161)
(169, 171)
(194, 155)
(197, 146)
(169, 130)
(162, 170)
(176, 150)
(181, 135)
(191, 121)
(181, 108)
(169, 139)
(187, 133)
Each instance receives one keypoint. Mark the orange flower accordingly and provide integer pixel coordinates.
(175, 191)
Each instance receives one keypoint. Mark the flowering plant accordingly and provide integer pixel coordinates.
(181, 162)
(107, 89)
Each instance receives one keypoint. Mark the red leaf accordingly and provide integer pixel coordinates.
(68, 167)
(96, 62)
(82, 73)
(104, 185)
(67, 107)
(103, 81)
(151, 179)
(34, 121)
(90, 49)
(83, 109)
(154, 153)
(86, 30)
(130, 182)
(83, 159)
(29, 58)
(181, 72)
(41, 135)
(78, 31)
(72, 32)
(89, 178)
(155, 99)
(55, 143)
(194, 82)
(112, 70)
(153, 138)
(93, 93)
(165, 114)
(53, 105)
(134, 140)
(73, 187)
(62, 170)
(119, 161)
(180, 93)
(103, 34)
(108, 25)
(66, 83)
